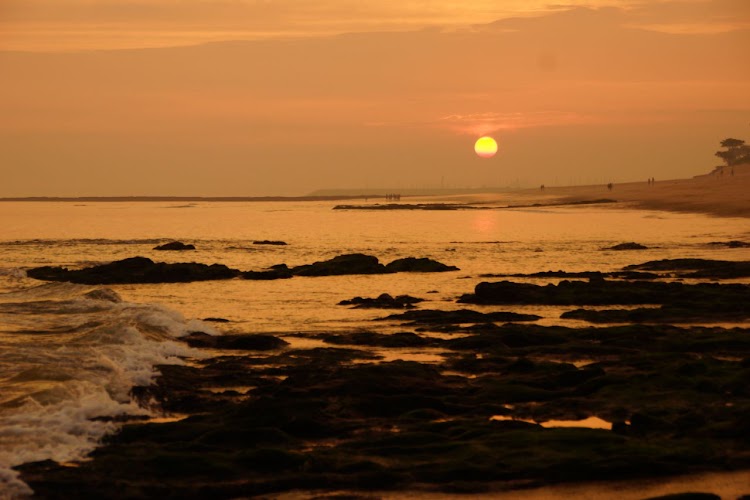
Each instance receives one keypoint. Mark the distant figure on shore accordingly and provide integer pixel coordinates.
(541, 188)
(609, 186)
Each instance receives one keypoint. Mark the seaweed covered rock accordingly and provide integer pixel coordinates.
(135, 270)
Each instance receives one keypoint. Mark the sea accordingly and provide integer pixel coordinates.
(69, 354)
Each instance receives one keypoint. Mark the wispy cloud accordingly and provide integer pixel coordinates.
(489, 122)
(109, 24)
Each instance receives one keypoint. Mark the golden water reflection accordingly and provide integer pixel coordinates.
(587, 423)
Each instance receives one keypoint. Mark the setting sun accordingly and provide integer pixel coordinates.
(485, 147)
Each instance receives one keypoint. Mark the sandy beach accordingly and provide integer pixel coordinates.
(724, 195)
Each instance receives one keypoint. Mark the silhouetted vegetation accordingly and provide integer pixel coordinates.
(735, 152)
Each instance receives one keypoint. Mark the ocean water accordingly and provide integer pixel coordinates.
(69, 354)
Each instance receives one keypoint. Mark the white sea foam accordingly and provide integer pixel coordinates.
(62, 380)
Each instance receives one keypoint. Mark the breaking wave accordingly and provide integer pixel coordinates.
(69, 357)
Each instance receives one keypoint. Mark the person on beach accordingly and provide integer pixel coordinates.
(609, 186)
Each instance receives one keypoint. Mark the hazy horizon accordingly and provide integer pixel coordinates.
(126, 97)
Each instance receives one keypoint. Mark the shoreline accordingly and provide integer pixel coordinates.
(506, 407)
(722, 196)
(725, 195)
(716, 195)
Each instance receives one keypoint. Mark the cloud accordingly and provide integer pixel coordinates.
(478, 124)
(111, 24)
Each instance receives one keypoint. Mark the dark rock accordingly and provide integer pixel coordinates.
(731, 244)
(686, 496)
(200, 339)
(603, 292)
(399, 339)
(104, 294)
(348, 264)
(627, 246)
(356, 263)
(627, 275)
(412, 206)
(250, 342)
(216, 320)
(679, 264)
(431, 316)
(679, 313)
(700, 268)
(273, 274)
(269, 242)
(175, 245)
(645, 424)
(135, 270)
(383, 301)
(633, 275)
(414, 265)
(315, 421)
(367, 264)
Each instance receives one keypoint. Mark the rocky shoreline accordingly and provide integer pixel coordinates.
(144, 270)
(504, 408)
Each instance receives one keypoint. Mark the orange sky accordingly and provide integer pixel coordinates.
(128, 97)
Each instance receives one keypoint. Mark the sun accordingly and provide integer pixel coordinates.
(485, 147)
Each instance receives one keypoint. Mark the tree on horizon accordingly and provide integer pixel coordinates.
(736, 152)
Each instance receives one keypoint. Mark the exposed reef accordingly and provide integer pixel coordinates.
(432, 317)
(603, 292)
(175, 245)
(626, 275)
(358, 263)
(673, 313)
(731, 244)
(697, 268)
(627, 246)
(135, 270)
(382, 301)
(671, 401)
(462, 206)
(410, 206)
(144, 270)
(270, 242)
